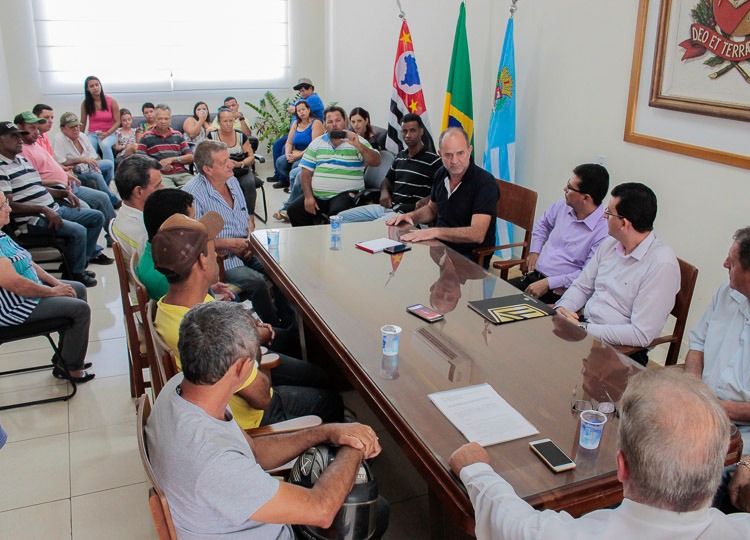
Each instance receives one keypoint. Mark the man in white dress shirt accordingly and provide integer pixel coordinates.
(669, 464)
(628, 287)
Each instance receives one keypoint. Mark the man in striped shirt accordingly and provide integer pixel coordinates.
(408, 183)
(332, 167)
(22, 185)
(167, 146)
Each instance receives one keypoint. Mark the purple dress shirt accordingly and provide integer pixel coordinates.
(566, 243)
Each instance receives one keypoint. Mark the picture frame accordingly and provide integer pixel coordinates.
(723, 138)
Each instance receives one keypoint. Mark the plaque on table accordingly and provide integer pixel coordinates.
(507, 309)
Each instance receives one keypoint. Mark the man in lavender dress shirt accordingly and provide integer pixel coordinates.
(566, 236)
(628, 287)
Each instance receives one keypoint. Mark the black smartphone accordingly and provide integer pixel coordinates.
(424, 313)
(398, 248)
(551, 455)
(338, 134)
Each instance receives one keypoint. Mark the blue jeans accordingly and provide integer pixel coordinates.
(278, 150)
(98, 201)
(103, 145)
(101, 180)
(283, 168)
(295, 187)
(369, 212)
(80, 229)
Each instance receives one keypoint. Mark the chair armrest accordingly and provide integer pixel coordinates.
(287, 426)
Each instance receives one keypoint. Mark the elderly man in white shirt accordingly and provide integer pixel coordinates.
(669, 464)
(628, 288)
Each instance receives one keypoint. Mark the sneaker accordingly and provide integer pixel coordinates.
(102, 259)
(85, 279)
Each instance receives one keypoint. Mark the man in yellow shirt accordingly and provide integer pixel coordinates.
(184, 251)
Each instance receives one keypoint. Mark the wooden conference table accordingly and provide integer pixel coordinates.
(344, 296)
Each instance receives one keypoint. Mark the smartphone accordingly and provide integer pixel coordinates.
(399, 248)
(337, 134)
(424, 313)
(551, 455)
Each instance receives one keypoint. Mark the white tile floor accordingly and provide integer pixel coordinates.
(72, 469)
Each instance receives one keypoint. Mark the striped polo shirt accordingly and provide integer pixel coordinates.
(14, 308)
(160, 147)
(207, 199)
(20, 179)
(335, 170)
(411, 178)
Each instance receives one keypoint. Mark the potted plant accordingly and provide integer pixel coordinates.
(273, 119)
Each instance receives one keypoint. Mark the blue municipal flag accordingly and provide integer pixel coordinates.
(458, 109)
(500, 150)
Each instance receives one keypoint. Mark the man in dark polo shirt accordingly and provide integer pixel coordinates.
(168, 147)
(408, 183)
(463, 201)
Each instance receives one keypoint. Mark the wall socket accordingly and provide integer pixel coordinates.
(601, 160)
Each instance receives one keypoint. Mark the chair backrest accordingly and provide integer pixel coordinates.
(163, 354)
(688, 278)
(517, 205)
(156, 498)
(129, 309)
(374, 175)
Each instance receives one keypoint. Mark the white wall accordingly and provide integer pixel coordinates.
(573, 67)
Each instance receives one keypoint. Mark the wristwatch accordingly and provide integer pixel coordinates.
(584, 326)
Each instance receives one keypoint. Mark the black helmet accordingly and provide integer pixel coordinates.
(356, 518)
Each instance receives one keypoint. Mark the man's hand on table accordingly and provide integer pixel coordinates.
(538, 288)
(420, 235)
(567, 314)
(468, 454)
(399, 219)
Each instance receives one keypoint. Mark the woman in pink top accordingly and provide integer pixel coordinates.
(103, 115)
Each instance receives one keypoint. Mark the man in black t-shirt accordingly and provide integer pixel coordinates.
(408, 183)
(463, 200)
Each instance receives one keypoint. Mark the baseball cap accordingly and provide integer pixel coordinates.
(180, 240)
(69, 119)
(27, 117)
(10, 127)
(304, 81)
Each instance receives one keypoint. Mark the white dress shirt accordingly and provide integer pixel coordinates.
(501, 514)
(65, 149)
(627, 298)
(723, 335)
(129, 230)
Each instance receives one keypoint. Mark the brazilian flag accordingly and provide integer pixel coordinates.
(458, 110)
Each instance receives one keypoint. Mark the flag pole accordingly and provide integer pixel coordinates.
(400, 10)
(513, 8)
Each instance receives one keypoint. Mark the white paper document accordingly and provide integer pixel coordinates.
(482, 415)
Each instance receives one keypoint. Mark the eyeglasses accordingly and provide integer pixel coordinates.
(605, 407)
(571, 188)
(608, 214)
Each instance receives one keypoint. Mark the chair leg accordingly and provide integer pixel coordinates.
(264, 219)
(60, 364)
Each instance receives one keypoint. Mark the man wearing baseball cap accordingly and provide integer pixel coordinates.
(306, 90)
(73, 149)
(184, 251)
(23, 187)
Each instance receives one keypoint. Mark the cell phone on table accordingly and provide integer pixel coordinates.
(424, 313)
(337, 134)
(398, 248)
(551, 455)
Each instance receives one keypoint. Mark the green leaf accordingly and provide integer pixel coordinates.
(714, 61)
(273, 120)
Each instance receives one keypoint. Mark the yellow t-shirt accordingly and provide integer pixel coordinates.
(167, 323)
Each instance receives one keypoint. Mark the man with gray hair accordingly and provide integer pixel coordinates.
(168, 146)
(669, 464)
(212, 472)
(463, 201)
(216, 189)
(137, 177)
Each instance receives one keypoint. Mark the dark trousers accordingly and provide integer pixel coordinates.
(299, 217)
(246, 178)
(527, 279)
(301, 388)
